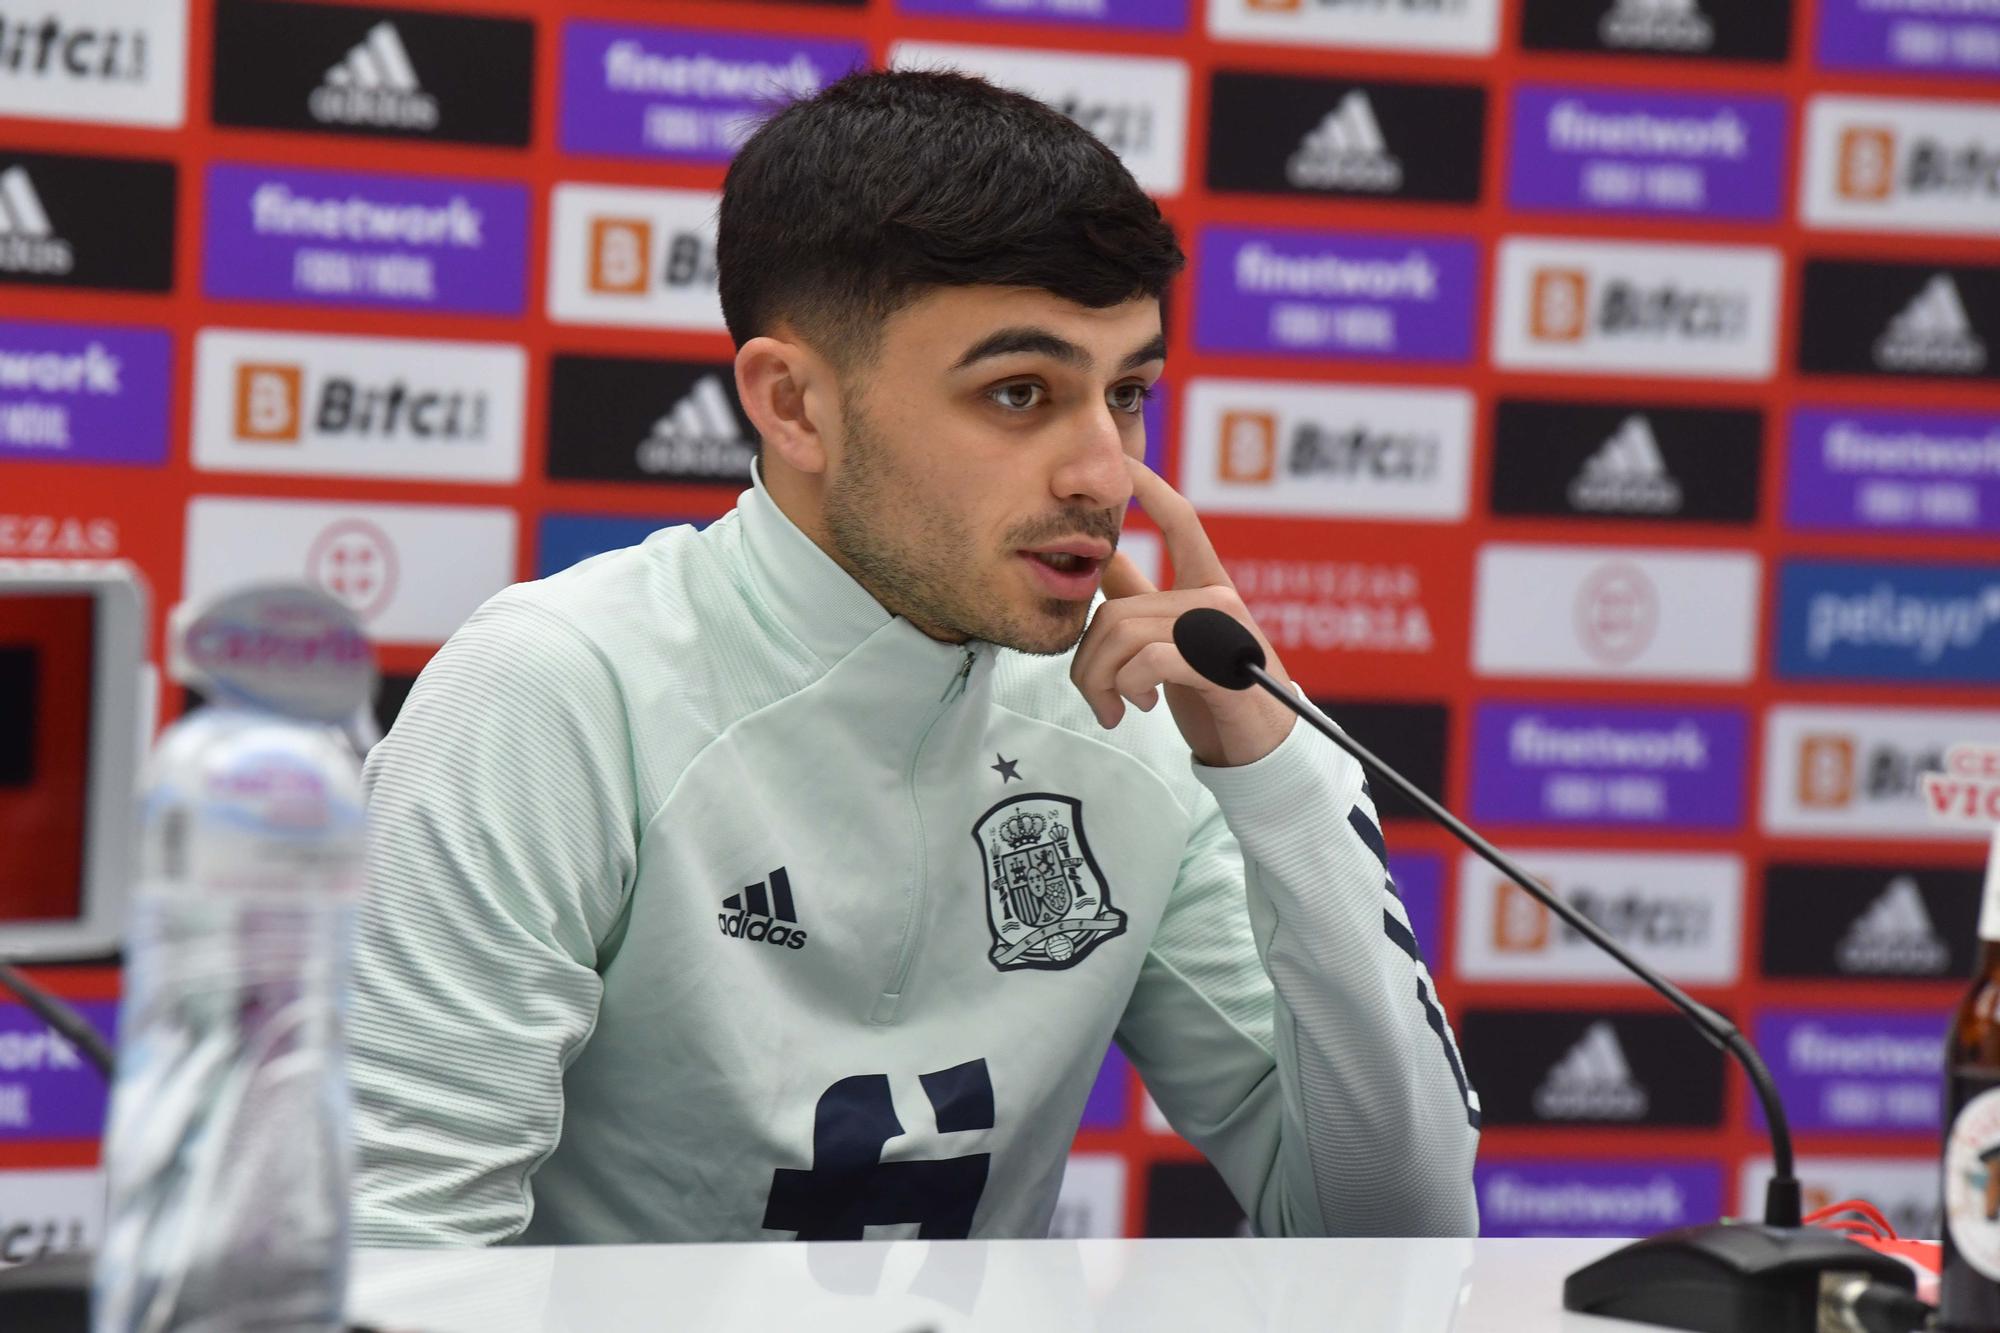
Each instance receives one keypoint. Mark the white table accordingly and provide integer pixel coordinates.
(1035, 1286)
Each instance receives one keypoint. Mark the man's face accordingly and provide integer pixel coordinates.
(979, 482)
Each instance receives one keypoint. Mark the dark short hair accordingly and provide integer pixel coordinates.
(847, 206)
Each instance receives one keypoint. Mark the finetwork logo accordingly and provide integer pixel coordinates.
(1657, 25)
(699, 436)
(28, 242)
(1627, 475)
(1346, 151)
(85, 394)
(1894, 936)
(765, 916)
(375, 84)
(1933, 334)
(1592, 1082)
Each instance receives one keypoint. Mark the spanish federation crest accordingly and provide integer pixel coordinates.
(1046, 900)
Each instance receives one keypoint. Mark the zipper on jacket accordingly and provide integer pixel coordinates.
(891, 999)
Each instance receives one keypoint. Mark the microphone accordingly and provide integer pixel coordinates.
(1722, 1276)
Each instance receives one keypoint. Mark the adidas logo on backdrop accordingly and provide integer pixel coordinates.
(1627, 475)
(28, 243)
(1346, 152)
(1932, 334)
(755, 914)
(1592, 1082)
(1657, 25)
(375, 84)
(699, 436)
(1894, 935)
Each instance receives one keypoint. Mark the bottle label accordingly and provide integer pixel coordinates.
(1972, 1183)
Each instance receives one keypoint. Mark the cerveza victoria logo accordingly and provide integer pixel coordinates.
(347, 69)
(1863, 469)
(631, 419)
(1595, 150)
(1840, 621)
(1312, 450)
(1457, 27)
(74, 393)
(1899, 319)
(118, 61)
(1652, 461)
(87, 222)
(633, 90)
(1369, 297)
(1615, 307)
(1884, 164)
(1759, 30)
(343, 238)
(1136, 105)
(1274, 134)
(1859, 772)
(357, 407)
(1535, 1067)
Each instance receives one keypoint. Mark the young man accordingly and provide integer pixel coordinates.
(790, 878)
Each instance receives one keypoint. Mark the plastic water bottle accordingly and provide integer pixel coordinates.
(229, 1155)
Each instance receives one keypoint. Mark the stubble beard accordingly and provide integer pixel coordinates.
(922, 568)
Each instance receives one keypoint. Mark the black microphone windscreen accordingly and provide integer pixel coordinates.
(1217, 645)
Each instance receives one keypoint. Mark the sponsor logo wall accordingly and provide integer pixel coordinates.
(1597, 402)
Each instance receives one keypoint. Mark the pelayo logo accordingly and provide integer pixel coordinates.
(361, 69)
(109, 61)
(685, 94)
(84, 394)
(343, 238)
(1367, 297)
(1624, 308)
(1883, 164)
(1594, 150)
(1851, 621)
(1866, 469)
(1945, 36)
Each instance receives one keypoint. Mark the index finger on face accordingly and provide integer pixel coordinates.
(1196, 565)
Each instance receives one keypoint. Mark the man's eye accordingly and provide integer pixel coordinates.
(1017, 397)
(1129, 398)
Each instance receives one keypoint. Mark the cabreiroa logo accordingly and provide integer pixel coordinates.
(106, 61)
(1619, 307)
(1888, 164)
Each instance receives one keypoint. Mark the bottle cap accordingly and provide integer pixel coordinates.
(282, 647)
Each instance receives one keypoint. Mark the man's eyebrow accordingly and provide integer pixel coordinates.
(1155, 350)
(1040, 342)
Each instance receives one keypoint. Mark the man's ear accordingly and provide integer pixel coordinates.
(784, 389)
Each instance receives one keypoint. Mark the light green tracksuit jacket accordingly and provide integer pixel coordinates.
(708, 901)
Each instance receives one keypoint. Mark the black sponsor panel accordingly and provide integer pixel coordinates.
(1647, 462)
(1714, 29)
(1273, 134)
(1411, 738)
(19, 682)
(1190, 1199)
(1880, 922)
(631, 419)
(1590, 1067)
(342, 69)
(1899, 319)
(103, 222)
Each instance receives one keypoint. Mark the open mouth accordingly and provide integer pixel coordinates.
(1070, 572)
(1065, 563)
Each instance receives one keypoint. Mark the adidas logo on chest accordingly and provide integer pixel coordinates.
(763, 912)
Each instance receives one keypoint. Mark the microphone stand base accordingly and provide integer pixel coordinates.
(1726, 1277)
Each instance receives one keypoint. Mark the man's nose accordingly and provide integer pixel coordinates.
(1094, 471)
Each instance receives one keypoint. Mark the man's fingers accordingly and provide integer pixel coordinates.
(1106, 647)
(1196, 565)
(1154, 665)
(1123, 579)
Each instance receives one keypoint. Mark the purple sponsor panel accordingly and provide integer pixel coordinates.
(345, 238)
(1106, 1107)
(1845, 1072)
(83, 393)
(47, 1088)
(1555, 1197)
(1336, 294)
(635, 90)
(1593, 150)
(1662, 768)
(1419, 880)
(1147, 15)
(1939, 36)
(1865, 469)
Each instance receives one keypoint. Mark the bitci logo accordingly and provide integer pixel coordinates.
(634, 257)
(1897, 164)
(267, 403)
(1826, 772)
(1249, 451)
(1860, 772)
(1867, 163)
(1561, 305)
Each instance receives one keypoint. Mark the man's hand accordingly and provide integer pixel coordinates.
(1128, 652)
